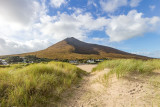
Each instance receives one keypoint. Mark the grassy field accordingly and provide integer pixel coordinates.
(129, 67)
(33, 85)
(139, 79)
(125, 66)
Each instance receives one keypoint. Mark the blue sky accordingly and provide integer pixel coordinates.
(129, 25)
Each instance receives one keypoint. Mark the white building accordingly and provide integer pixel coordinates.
(73, 62)
(99, 60)
(91, 61)
(3, 62)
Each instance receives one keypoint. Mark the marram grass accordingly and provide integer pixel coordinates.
(145, 69)
(129, 67)
(122, 67)
(35, 84)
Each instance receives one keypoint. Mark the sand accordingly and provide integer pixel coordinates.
(124, 92)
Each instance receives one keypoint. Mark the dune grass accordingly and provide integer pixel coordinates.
(135, 70)
(123, 67)
(32, 85)
(130, 67)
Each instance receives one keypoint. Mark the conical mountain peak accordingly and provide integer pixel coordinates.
(72, 48)
(71, 40)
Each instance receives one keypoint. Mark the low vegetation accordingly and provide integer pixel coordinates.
(139, 79)
(130, 67)
(125, 66)
(34, 84)
(25, 59)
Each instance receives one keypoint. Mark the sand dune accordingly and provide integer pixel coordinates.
(124, 92)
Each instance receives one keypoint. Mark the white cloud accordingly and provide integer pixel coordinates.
(18, 26)
(152, 7)
(134, 3)
(18, 16)
(14, 47)
(124, 27)
(112, 5)
(23, 12)
(74, 25)
(153, 54)
(57, 3)
(91, 2)
(98, 39)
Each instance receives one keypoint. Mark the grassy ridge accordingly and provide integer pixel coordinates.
(34, 84)
(128, 67)
(133, 70)
(124, 66)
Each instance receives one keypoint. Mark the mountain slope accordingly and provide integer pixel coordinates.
(72, 48)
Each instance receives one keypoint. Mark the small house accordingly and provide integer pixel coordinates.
(99, 60)
(73, 62)
(91, 61)
(3, 62)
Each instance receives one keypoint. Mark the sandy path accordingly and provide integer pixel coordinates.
(87, 92)
(125, 92)
(87, 68)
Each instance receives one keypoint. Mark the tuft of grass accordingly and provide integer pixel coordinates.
(155, 80)
(32, 85)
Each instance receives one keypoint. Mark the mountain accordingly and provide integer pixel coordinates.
(71, 48)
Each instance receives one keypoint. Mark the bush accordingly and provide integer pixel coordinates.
(14, 59)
